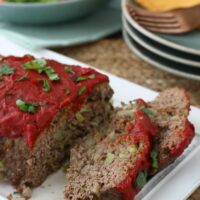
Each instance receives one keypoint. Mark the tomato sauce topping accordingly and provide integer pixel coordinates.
(72, 88)
(140, 132)
(186, 136)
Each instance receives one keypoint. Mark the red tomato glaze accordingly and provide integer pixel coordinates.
(16, 123)
(186, 136)
(139, 132)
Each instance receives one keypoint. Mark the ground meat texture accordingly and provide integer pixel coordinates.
(170, 112)
(22, 165)
(31, 167)
(97, 170)
(105, 166)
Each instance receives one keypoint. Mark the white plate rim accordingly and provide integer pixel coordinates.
(155, 50)
(155, 63)
(154, 37)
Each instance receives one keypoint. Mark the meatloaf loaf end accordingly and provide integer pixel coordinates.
(171, 109)
(44, 107)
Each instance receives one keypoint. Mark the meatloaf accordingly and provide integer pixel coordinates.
(44, 107)
(171, 109)
(170, 112)
(114, 167)
(106, 169)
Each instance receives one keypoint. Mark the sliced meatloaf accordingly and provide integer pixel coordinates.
(44, 107)
(114, 167)
(106, 169)
(170, 112)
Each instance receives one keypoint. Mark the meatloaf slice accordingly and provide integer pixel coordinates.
(44, 107)
(114, 167)
(170, 112)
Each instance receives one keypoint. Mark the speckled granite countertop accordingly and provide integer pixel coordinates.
(113, 55)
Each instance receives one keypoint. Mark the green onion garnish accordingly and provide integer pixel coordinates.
(40, 65)
(132, 149)
(27, 106)
(23, 78)
(80, 78)
(35, 64)
(141, 179)
(6, 70)
(46, 85)
(69, 70)
(146, 110)
(92, 76)
(154, 158)
(82, 90)
(50, 72)
(110, 158)
(79, 117)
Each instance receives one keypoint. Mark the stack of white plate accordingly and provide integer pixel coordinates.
(177, 54)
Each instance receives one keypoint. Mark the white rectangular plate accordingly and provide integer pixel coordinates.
(176, 182)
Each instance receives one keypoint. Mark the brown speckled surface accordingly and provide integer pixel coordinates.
(112, 55)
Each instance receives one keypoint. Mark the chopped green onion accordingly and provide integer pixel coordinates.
(82, 90)
(50, 72)
(80, 78)
(35, 64)
(110, 158)
(6, 70)
(132, 149)
(40, 65)
(1, 78)
(23, 78)
(79, 117)
(154, 158)
(146, 110)
(16, 194)
(46, 85)
(69, 70)
(92, 76)
(141, 179)
(27, 106)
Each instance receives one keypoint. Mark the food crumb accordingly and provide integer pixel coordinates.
(15, 196)
(23, 193)
(26, 192)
